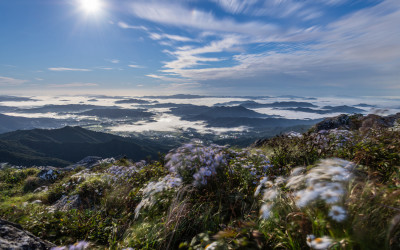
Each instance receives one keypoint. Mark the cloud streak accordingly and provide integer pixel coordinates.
(124, 25)
(359, 49)
(181, 16)
(68, 69)
(9, 81)
(73, 85)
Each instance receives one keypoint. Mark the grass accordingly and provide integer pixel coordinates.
(215, 205)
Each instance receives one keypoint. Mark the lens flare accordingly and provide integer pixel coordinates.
(91, 6)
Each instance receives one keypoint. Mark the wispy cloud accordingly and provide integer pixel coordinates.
(67, 69)
(114, 61)
(362, 48)
(187, 56)
(73, 85)
(8, 81)
(181, 16)
(157, 36)
(135, 66)
(235, 6)
(127, 26)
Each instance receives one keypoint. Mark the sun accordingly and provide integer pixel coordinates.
(90, 6)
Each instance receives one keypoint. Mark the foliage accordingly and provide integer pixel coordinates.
(293, 193)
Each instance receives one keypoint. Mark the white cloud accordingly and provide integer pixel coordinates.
(67, 69)
(114, 61)
(135, 66)
(178, 15)
(188, 56)
(38, 79)
(235, 6)
(73, 85)
(156, 36)
(360, 49)
(127, 26)
(8, 81)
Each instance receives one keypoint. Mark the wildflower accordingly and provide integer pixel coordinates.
(337, 213)
(265, 210)
(153, 188)
(258, 189)
(280, 180)
(295, 181)
(305, 196)
(262, 182)
(330, 196)
(270, 194)
(309, 239)
(212, 246)
(320, 243)
(79, 245)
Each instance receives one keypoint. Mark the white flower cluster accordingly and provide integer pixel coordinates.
(332, 138)
(270, 190)
(319, 243)
(195, 161)
(325, 182)
(257, 163)
(153, 188)
(81, 245)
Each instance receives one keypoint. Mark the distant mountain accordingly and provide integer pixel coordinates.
(68, 108)
(343, 109)
(258, 123)
(235, 116)
(328, 110)
(11, 123)
(8, 98)
(134, 101)
(235, 111)
(194, 112)
(178, 96)
(61, 147)
(7, 109)
(364, 105)
(279, 104)
(253, 104)
(135, 114)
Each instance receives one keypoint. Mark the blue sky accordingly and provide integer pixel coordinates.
(224, 47)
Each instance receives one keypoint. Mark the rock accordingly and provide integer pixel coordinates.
(36, 202)
(357, 122)
(376, 121)
(338, 122)
(89, 161)
(48, 173)
(66, 203)
(12, 236)
(41, 189)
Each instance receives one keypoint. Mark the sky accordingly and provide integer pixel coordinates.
(212, 47)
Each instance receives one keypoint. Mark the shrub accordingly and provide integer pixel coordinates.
(31, 183)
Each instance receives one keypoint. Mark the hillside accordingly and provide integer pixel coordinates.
(61, 147)
(336, 186)
(11, 123)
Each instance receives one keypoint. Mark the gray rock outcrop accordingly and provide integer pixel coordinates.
(13, 237)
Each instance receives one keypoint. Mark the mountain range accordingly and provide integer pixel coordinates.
(65, 146)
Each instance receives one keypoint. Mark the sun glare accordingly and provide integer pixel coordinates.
(91, 6)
